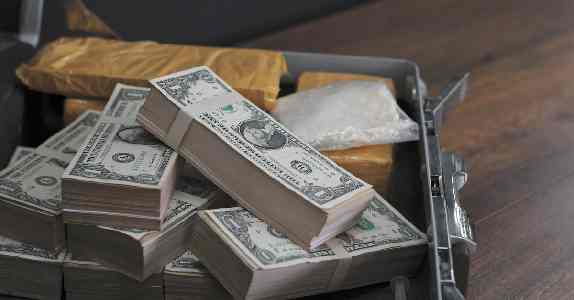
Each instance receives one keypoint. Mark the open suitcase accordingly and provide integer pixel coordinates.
(424, 183)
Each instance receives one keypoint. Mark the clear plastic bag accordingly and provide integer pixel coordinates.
(346, 114)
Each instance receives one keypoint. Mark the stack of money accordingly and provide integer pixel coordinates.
(228, 132)
(86, 280)
(187, 278)
(139, 253)
(255, 261)
(30, 188)
(122, 175)
(27, 271)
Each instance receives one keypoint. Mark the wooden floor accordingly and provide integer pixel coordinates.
(516, 128)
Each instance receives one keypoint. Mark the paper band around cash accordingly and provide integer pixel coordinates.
(342, 269)
(184, 117)
(178, 128)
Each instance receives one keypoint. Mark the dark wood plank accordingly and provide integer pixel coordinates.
(520, 197)
(515, 128)
(444, 37)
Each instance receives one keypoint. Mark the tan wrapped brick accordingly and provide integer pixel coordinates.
(90, 67)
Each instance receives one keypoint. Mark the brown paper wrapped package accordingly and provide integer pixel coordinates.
(90, 67)
(73, 108)
(370, 163)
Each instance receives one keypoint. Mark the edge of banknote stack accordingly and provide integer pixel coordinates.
(86, 279)
(139, 253)
(187, 278)
(28, 271)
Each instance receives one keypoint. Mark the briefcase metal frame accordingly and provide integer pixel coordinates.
(436, 175)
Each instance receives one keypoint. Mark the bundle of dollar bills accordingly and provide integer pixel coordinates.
(138, 253)
(28, 271)
(88, 280)
(224, 135)
(30, 188)
(187, 278)
(122, 175)
(255, 261)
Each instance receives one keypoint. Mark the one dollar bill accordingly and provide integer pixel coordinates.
(65, 144)
(34, 181)
(118, 149)
(380, 227)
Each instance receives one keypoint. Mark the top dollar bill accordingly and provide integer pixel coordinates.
(33, 181)
(120, 150)
(233, 136)
(136, 170)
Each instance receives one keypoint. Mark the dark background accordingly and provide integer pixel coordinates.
(212, 22)
(215, 22)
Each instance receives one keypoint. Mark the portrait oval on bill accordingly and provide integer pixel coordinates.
(46, 180)
(262, 134)
(123, 157)
(138, 136)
